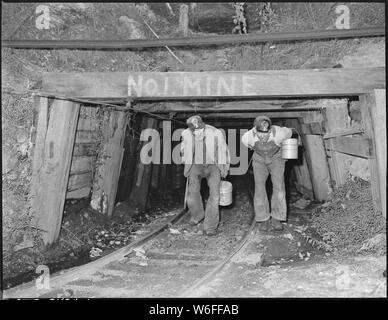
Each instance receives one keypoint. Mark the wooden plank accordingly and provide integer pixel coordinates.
(87, 136)
(319, 170)
(82, 164)
(342, 133)
(86, 149)
(155, 176)
(79, 193)
(87, 124)
(139, 193)
(357, 146)
(367, 103)
(301, 169)
(380, 133)
(265, 83)
(336, 118)
(42, 106)
(312, 128)
(247, 115)
(79, 181)
(110, 159)
(257, 106)
(52, 169)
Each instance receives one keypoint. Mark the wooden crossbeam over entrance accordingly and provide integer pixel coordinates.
(233, 84)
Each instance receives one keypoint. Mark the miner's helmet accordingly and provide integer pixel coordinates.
(195, 123)
(262, 124)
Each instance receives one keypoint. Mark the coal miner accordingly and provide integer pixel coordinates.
(266, 140)
(205, 155)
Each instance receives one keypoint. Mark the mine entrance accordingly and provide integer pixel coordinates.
(313, 101)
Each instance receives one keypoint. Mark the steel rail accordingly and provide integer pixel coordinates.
(195, 41)
(206, 278)
(76, 272)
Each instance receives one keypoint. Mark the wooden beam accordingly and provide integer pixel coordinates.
(248, 115)
(141, 183)
(79, 181)
(301, 169)
(155, 176)
(318, 166)
(367, 103)
(356, 146)
(79, 193)
(52, 165)
(312, 128)
(82, 164)
(380, 133)
(283, 106)
(110, 159)
(342, 133)
(85, 149)
(337, 118)
(266, 83)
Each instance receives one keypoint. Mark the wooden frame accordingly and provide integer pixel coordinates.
(233, 84)
(57, 123)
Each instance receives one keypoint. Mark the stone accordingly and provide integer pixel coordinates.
(132, 27)
(359, 167)
(318, 63)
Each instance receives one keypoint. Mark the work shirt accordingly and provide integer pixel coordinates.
(211, 150)
(277, 135)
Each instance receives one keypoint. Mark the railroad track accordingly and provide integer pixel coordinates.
(172, 260)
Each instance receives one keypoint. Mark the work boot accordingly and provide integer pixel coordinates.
(264, 225)
(210, 233)
(276, 225)
(193, 223)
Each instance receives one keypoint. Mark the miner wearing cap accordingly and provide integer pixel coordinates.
(266, 140)
(205, 155)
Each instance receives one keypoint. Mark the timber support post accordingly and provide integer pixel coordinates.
(142, 179)
(109, 164)
(54, 144)
(336, 120)
(373, 111)
(304, 184)
(316, 160)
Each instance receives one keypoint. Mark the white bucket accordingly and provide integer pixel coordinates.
(290, 149)
(225, 193)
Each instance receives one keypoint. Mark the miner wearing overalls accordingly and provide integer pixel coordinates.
(205, 155)
(266, 140)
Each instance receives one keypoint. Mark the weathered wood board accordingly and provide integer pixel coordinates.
(378, 109)
(80, 181)
(367, 108)
(336, 118)
(356, 146)
(87, 124)
(86, 136)
(52, 165)
(319, 170)
(301, 169)
(79, 193)
(266, 83)
(142, 179)
(85, 149)
(82, 164)
(108, 171)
